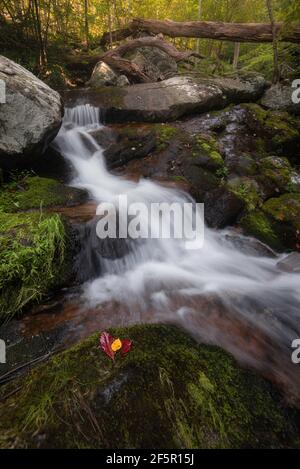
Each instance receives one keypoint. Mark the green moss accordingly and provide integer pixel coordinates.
(280, 127)
(207, 148)
(257, 224)
(168, 392)
(165, 133)
(247, 190)
(32, 258)
(35, 192)
(285, 209)
(276, 173)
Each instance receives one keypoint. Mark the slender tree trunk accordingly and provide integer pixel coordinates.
(199, 18)
(43, 52)
(110, 25)
(86, 23)
(237, 48)
(276, 76)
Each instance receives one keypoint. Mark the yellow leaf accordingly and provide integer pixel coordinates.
(116, 345)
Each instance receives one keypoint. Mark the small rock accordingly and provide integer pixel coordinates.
(290, 263)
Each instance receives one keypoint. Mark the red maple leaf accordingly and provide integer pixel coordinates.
(105, 343)
(126, 346)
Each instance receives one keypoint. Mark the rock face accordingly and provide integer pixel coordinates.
(154, 62)
(29, 119)
(169, 99)
(279, 98)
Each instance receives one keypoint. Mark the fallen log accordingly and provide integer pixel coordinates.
(114, 57)
(235, 32)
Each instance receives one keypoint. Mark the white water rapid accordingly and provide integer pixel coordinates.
(213, 291)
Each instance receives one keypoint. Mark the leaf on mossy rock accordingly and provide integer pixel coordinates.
(110, 345)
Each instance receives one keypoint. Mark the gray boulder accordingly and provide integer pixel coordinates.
(156, 63)
(279, 98)
(169, 99)
(29, 119)
(103, 75)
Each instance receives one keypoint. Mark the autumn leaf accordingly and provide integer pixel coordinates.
(110, 345)
(126, 346)
(106, 341)
(116, 345)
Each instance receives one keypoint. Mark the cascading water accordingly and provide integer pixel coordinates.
(219, 293)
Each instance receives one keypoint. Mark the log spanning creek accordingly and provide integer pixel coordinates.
(219, 293)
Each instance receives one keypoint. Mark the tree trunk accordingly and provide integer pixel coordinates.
(276, 75)
(199, 18)
(237, 48)
(43, 53)
(235, 32)
(86, 23)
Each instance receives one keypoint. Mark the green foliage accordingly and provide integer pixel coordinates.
(32, 256)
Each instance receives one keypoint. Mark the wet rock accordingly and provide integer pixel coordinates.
(167, 100)
(92, 250)
(290, 263)
(201, 180)
(122, 144)
(279, 98)
(222, 207)
(250, 246)
(31, 116)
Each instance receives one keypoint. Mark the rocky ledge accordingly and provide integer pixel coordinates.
(168, 99)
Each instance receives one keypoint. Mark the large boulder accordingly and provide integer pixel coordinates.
(169, 99)
(279, 98)
(156, 63)
(30, 117)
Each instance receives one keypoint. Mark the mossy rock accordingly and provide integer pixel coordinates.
(285, 212)
(168, 392)
(36, 192)
(280, 130)
(277, 223)
(258, 224)
(246, 189)
(206, 153)
(277, 176)
(165, 134)
(33, 259)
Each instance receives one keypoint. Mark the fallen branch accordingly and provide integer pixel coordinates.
(115, 57)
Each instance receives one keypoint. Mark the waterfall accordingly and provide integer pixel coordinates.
(177, 284)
